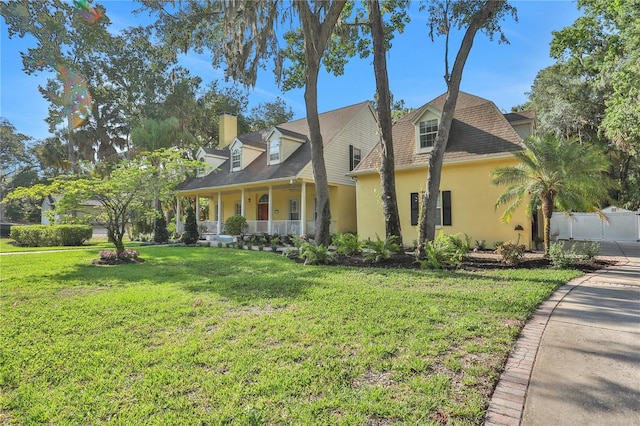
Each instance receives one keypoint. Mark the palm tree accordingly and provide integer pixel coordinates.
(554, 173)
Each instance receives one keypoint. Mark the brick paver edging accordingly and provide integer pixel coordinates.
(507, 401)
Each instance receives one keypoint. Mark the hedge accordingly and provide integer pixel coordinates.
(51, 235)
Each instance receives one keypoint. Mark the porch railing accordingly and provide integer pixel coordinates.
(211, 226)
(281, 227)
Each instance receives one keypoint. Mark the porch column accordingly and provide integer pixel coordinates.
(198, 209)
(219, 213)
(178, 216)
(303, 208)
(212, 212)
(270, 209)
(242, 204)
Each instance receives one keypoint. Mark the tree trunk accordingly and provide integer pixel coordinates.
(430, 199)
(323, 221)
(385, 125)
(316, 38)
(547, 212)
(71, 156)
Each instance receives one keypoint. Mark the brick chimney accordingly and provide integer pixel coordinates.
(227, 129)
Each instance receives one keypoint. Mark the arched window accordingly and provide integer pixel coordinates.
(264, 198)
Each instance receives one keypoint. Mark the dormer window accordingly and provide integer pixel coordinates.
(274, 151)
(236, 157)
(428, 133)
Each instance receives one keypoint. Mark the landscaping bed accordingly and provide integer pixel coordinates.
(475, 261)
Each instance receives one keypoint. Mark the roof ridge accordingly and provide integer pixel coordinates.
(326, 112)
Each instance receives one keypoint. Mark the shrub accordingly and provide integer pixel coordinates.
(380, 250)
(236, 225)
(511, 253)
(348, 244)
(112, 256)
(314, 254)
(561, 258)
(51, 235)
(446, 251)
(291, 252)
(481, 245)
(172, 229)
(299, 241)
(589, 250)
(463, 245)
(73, 235)
(160, 232)
(32, 236)
(274, 243)
(191, 235)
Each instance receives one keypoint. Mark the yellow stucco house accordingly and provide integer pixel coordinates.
(481, 139)
(267, 176)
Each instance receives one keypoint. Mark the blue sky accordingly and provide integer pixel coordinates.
(502, 73)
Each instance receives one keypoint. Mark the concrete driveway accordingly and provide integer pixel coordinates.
(578, 360)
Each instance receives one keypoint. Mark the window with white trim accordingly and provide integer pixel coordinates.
(355, 156)
(274, 151)
(238, 208)
(294, 209)
(428, 133)
(236, 157)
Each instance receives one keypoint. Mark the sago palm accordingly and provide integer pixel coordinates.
(554, 173)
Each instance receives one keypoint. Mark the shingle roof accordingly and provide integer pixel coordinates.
(520, 116)
(252, 139)
(215, 151)
(331, 123)
(478, 129)
(291, 134)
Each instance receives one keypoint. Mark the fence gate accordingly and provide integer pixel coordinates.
(615, 226)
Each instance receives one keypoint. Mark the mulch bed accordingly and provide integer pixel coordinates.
(476, 261)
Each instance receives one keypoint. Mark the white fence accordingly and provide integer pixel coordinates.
(618, 226)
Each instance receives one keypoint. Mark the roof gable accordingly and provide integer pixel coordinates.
(258, 170)
(478, 130)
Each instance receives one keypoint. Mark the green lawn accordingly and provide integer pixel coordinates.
(218, 336)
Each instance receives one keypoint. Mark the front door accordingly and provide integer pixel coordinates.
(263, 211)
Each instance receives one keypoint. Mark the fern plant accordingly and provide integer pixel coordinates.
(380, 250)
(314, 254)
(446, 251)
(348, 244)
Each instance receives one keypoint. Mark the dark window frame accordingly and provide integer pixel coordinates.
(444, 210)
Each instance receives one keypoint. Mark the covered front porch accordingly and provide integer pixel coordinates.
(282, 208)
